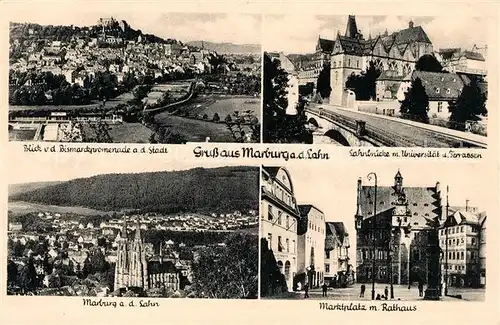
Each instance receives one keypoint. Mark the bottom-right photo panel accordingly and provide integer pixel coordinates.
(404, 232)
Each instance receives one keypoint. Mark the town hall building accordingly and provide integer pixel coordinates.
(393, 224)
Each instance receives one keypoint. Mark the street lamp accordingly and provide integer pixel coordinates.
(374, 176)
(391, 254)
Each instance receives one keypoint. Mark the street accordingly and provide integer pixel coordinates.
(401, 292)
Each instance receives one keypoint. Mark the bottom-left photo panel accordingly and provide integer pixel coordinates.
(180, 232)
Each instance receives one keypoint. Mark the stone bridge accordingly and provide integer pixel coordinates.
(346, 133)
(351, 128)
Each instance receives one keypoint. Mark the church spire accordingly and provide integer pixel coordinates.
(351, 29)
(124, 230)
(138, 232)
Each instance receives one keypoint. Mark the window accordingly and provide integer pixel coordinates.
(270, 212)
(437, 90)
(473, 241)
(461, 255)
(287, 245)
(279, 217)
(293, 244)
(357, 64)
(287, 222)
(462, 229)
(327, 254)
(280, 245)
(448, 91)
(327, 268)
(349, 62)
(270, 241)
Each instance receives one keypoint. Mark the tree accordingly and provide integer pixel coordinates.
(323, 82)
(469, 106)
(364, 84)
(415, 106)
(428, 62)
(277, 126)
(228, 272)
(11, 272)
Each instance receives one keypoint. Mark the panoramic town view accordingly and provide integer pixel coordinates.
(189, 233)
(387, 234)
(375, 81)
(110, 82)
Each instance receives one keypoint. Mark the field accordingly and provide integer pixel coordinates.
(19, 207)
(125, 133)
(176, 89)
(222, 105)
(22, 135)
(195, 130)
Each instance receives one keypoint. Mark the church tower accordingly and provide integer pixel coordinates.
(122, 262)
(351, 30)
(138, 267)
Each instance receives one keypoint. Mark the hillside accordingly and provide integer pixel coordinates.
(15, 189)
(225, 48)
(221, 189)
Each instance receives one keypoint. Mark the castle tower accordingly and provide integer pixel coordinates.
(352, 28)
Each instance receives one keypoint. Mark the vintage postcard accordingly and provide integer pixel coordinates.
(242, 162)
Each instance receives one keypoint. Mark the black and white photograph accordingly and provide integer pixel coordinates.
(130, 77)
(389, 81)
(373, 233)
(188, 232)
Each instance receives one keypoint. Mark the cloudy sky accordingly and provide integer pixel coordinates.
(188, 26)
(299, 34)
(332, 188)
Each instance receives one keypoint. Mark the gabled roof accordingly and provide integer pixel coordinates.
(326, 45)
(440, 85)
(410, 35)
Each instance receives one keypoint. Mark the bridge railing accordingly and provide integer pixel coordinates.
(383, 136)
(389, 138)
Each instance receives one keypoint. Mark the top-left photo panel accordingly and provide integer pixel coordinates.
(126, 77)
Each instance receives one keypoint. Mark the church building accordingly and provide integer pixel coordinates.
(393, 225)
(138, 266)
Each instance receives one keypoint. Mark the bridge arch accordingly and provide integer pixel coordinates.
(313, 121)
(338, 137)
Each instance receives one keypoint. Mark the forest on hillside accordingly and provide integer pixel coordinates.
(223, 189)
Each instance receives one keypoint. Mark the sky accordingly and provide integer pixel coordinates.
(332, 188)
(62, 167)
(188, 26)
(457, 30)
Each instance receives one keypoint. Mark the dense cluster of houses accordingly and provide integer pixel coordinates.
(70, 243)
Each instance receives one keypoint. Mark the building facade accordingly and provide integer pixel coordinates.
(279, 220)
(337, 268)
(311, 246)
(393, 224)
(462, 241)
(138, 266)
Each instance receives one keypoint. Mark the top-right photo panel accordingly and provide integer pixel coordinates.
(383, 81)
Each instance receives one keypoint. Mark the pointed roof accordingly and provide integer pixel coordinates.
(138, 232)
(398, 175)
(351, 29)
(326, 45)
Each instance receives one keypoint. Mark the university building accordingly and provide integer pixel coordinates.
(393, 225)
(351, 53)
(280, 217)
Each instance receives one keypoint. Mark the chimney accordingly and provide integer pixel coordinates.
(466, 205)
(410, 24)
